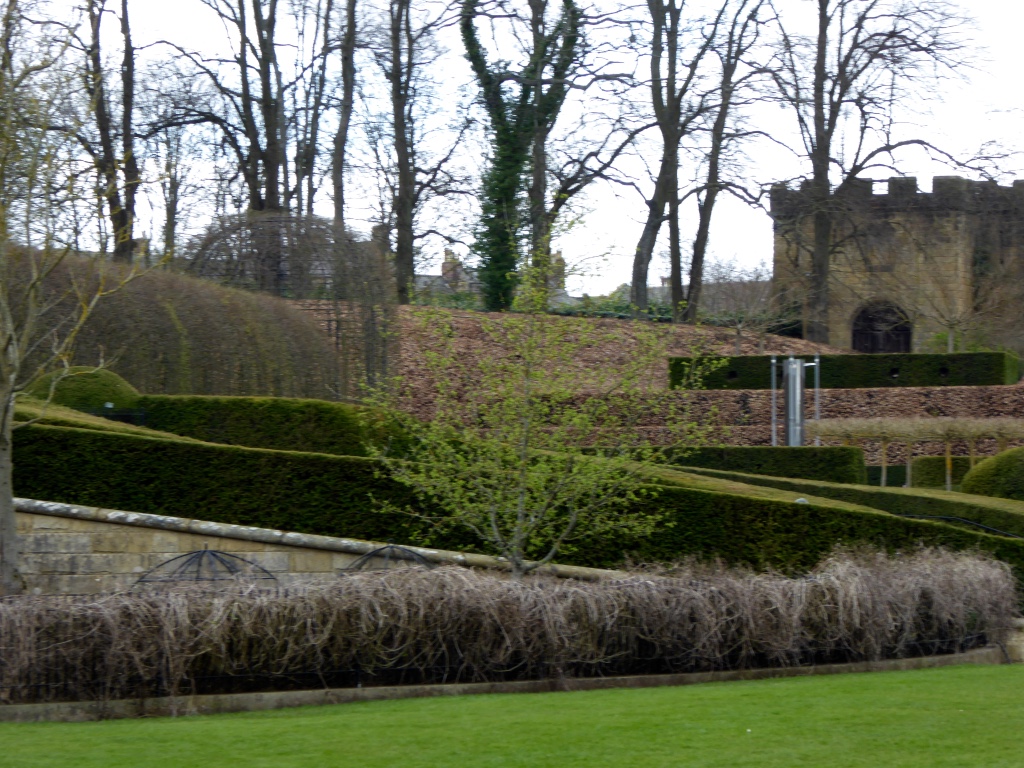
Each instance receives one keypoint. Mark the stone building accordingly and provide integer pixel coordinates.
(907, 266)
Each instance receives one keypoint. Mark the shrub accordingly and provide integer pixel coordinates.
(930, 471)
(863, 371)
(285, 424)
(341, 496)
(455, 624)
(85, 389)
(837, 464)
(1001, 475)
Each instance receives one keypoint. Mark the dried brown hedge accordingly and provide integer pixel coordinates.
(414, 625)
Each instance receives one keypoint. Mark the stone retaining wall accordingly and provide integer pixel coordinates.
(82, 550)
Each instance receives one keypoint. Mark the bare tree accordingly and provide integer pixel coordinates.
(39, 186)
(743, 300)
(108, 138)
(735, 80)
(844, 84)
(249, 110)
(674, 74)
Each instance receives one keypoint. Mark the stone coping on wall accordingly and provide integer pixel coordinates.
(173, 706)
(285, 538)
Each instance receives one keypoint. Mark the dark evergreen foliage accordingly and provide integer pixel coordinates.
(865, 371)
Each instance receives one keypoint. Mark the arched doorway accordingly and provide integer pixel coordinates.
(881, 327)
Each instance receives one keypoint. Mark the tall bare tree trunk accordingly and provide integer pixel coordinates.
(645, 247)
(104, 157)
(132, 177)
(348, 84)
(403, 52)
(10, 581)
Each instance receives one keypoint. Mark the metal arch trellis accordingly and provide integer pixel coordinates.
(387, 553)
(205, 565)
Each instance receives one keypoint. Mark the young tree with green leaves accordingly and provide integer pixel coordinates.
(528, 450)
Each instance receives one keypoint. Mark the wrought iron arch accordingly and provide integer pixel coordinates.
(205, 565)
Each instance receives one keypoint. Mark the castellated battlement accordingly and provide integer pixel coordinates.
(950, 194)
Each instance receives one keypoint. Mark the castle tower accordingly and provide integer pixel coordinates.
(906, 265)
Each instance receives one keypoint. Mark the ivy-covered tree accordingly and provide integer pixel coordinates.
(522, 107)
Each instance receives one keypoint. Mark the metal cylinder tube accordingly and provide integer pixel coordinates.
(793, 400)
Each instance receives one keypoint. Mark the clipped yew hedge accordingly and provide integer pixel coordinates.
(930, 471)
(279, 423)
(169, 333)
(866, 371)
(305, 492)
(339, 496)
(1001, 475)
(837, 464)
(1002, 516)
(85, 389)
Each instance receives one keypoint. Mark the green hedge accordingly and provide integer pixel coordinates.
(895, 475)
(862, 371)
(1001, 475)
(305, 492)
(280, 423)
(1003, 516)
(335, 495)
(85, 389)
(930, 471)
(841, 464)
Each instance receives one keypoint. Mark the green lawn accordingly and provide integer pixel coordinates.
(959, 716)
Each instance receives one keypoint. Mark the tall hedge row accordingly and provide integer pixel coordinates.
(866, 371)
(279, 423)
(837, 464)
(335, 495)
(168, 333)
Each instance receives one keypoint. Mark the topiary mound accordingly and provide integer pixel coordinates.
(173, 334)
(1002, 476)
(86, 389)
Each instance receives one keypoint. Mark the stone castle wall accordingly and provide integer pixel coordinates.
(920, 252)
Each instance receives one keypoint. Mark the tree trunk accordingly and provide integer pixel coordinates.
(675, 253)
(132, 177)
(816, 324)
(348, 84)
(649, 236)
(540, 229)
(104, 158)
(402, 55)
(10, 580)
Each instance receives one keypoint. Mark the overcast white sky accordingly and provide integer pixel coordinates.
(987, 106)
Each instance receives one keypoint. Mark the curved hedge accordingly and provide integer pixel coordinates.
(168, 333)
(340, 496)
(837, 464)
(1003, 516)
(280, 423)
(85, 389)
(1001, 475)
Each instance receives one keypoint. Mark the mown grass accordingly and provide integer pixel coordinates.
(962, 716)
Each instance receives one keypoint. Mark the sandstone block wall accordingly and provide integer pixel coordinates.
(68, 549)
